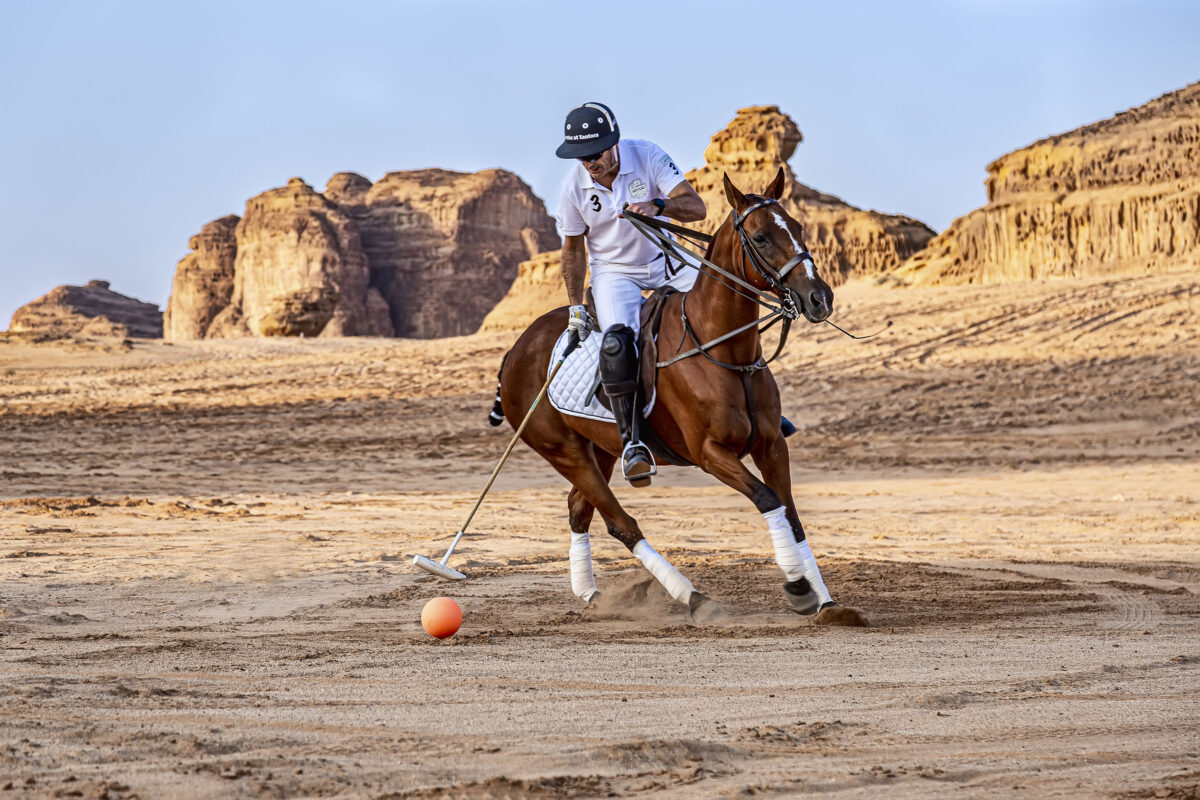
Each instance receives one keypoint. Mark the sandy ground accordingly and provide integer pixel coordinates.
(205, 587)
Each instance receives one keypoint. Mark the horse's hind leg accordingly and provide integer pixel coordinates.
(805, 590)
(575, 460)
(580, 511)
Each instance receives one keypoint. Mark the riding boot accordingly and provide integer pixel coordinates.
(618, 376)
(637, 464)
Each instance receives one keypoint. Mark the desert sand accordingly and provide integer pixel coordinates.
(206, 587)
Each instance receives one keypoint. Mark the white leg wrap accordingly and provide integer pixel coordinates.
(794, 558)
(583, 582)
(676, 585)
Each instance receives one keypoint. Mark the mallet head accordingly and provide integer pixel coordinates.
(438, 568)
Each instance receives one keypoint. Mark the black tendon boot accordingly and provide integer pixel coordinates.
(618, 376)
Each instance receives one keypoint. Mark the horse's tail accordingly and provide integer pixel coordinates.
(497, 415)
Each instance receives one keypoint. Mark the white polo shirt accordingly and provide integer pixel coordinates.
(645, 172)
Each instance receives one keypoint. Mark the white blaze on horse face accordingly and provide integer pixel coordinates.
(809, 268)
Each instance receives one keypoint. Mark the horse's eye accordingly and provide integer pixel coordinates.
(760, 239)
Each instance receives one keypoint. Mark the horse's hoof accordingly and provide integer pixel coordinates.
(594, 600)
(702, 608)
(801, 599)
(839, 616)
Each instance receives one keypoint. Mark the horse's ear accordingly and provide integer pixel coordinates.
(736, 198)
(775, 190)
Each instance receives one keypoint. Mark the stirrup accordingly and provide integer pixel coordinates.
(638, 479)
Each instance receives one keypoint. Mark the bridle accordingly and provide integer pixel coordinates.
(774, 277)
(780, 299)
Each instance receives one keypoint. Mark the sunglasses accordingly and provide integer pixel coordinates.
(589, 159)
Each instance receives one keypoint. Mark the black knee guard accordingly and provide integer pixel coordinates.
(618, 361)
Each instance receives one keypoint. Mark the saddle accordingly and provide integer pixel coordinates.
(651, 321)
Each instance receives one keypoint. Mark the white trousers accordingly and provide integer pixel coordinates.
(617, 289)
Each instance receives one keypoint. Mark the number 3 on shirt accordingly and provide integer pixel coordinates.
(595, 203)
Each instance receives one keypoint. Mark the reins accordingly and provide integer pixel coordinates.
(652, 230)
(784, 309)
(782, 305)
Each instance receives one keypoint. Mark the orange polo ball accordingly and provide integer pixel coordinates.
(441, 617)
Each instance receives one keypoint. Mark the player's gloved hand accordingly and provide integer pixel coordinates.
(580, 322)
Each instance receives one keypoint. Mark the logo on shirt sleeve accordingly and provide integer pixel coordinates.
(666, 159)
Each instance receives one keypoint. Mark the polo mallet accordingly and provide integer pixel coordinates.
(440, 568)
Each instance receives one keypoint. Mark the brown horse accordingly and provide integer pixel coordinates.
(701, 407)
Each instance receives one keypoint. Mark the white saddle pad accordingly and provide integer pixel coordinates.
(570, 390)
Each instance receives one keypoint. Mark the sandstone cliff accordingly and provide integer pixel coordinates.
(537, 289)
(203, 283)
(1120, 195)
(299, 269)
(422, 254)
(93, 310)
(844, 240)
(444, 246)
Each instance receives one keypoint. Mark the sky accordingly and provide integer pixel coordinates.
(126, 126)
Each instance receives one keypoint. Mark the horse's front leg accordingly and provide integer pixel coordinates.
(805, 590)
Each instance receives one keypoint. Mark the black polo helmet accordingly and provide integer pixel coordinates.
(589, 129)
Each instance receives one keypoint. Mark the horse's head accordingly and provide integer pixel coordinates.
(774, 252)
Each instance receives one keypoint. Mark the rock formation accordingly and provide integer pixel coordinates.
(845, 241)
(444, 246)
(538, 288)
(92, 310)
(299, 269)
(203, 283)
(423, 254)
(1120, 195)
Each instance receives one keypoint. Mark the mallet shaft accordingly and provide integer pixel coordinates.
(453, 545)
(520, 428)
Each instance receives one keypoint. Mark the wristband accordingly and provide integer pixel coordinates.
(660, 204)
